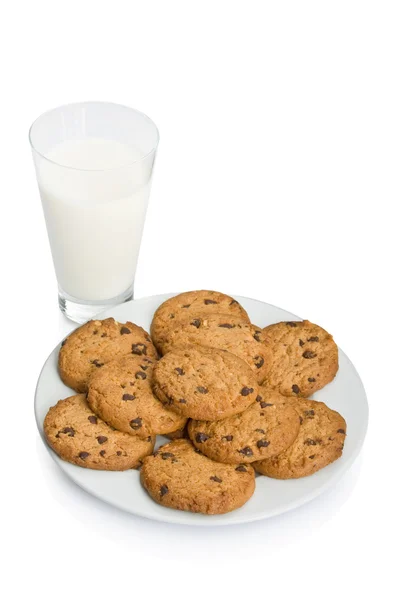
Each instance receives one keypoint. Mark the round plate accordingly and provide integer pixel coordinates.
(123, 489)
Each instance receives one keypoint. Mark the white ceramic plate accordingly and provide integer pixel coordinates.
(272, 497)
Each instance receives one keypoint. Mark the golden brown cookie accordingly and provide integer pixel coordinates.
(263, 430)
(184, 305)
(204, 383)
(302, 358)
(80, 437)
(94, 344)
(178, 434)
(319, 442)
(225, 332)
(178, 476)
(121, 394)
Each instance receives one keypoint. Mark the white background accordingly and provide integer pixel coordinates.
(277, 178)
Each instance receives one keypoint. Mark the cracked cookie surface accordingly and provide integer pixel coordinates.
(183, 305)
(204, 383)
(82, 438)
(263, 430)
(121, 394)
(319, 442)
(225, 332)
(178, 476)
(91, 346)
(302, 358)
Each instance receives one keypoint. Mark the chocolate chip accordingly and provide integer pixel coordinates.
(124, 330)
(172, 316)
(301, 420)
(63, 343)
(139, 349)
(215, 478)
(136, 423)
(247, 451)
(92, 419)
(227, 325)
(102, 439)
(246, 391)
(67, 430)
(197, 451)
(95, 332)
(201, 437)
(148, 338)
(241, 469)
(180, 371)
(185, 305)
(103, 335)
(102, 452)
(233, 302)
(310, 442)
(309, 354)
(259, 398)
(256, 336)
(119, 452)
(301, 343)
(312, 456)
(311, 379)
(309, 413)
(228, 438)
(260, 361)
(262, 443)
(83, 455)
(182, 401)
(140, 375)
(202, 390)
(207, 301)
(341, 431)
(196, 323)
(291, 324)
(295, 389)
(97, 363)
(127, 397)
(163, 490)
(264, 404)
(260, 430)
(314, 338)
(166, 455)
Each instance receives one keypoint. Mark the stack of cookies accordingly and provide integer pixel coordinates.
(232, 397)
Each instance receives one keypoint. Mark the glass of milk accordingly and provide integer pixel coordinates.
(94, 162)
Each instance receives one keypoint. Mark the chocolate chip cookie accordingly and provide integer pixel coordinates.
(178, 434)
(263, 430)
(121, 394)
(222, 331)
(179, 477)
(204, 383)
(82, 438)
(184, 305)
(94, 344)
(302, 357)
(319, 442)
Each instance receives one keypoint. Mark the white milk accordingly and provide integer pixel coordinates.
(94, 218)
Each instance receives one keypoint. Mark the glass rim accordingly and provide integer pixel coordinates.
(138, 112)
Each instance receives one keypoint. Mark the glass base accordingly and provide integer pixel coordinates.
(81, 311)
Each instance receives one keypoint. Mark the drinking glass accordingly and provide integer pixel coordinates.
(94, 164)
